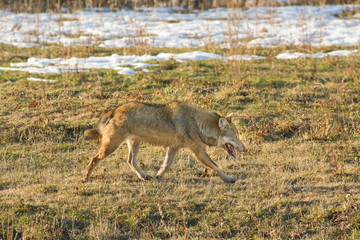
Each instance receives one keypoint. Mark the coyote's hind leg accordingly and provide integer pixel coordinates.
(108, 145)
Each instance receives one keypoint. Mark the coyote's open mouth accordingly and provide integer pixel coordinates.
(230, 149)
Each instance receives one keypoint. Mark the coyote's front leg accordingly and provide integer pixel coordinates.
(167, 163)
(205, 159)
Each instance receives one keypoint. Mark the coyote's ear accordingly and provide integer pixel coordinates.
(223, 122)
(229, 116)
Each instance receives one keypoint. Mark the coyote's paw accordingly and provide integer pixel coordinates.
(229, 180)
(146, 177)
(161, 179)
(84, 180)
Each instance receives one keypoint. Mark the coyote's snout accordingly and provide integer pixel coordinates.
(174, 125)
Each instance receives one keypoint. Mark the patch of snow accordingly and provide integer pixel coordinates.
(342, 53)
(126, 71)
(45, 70)
(40, 79)
(115, 62)
(143, 65)
(339, 53)
(289, 55)
(246, 57)
(197, 56)
(122, 64)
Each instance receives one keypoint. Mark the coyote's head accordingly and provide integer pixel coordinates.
(229, 136)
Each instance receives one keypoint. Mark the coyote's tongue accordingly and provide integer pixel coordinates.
(231, 150)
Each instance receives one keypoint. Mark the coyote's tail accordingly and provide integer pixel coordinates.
(92, 134)
(96, 133)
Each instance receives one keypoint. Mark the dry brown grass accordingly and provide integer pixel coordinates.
(300, 178)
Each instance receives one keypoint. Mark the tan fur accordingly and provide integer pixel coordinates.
(174, 125)
(92, 134)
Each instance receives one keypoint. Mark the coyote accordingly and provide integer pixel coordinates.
(174, 125)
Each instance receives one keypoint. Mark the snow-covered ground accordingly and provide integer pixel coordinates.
(167, 27)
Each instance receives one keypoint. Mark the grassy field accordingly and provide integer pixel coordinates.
(300, 120)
